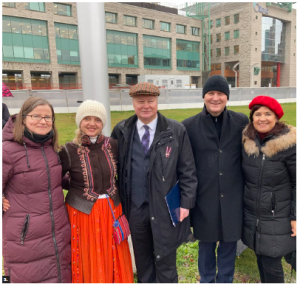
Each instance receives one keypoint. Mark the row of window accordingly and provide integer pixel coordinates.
(236, 34)
(236, 50)
(58, 8)
(236, 20)
(149, 24)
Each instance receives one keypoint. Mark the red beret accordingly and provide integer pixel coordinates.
(269, 102)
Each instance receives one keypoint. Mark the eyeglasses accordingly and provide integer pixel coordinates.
(38, 117)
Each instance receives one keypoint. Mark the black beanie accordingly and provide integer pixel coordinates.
(216, 83)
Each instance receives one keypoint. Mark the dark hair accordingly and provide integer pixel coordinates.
(251, 131)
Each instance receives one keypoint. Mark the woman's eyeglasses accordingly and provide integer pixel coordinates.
(38, 117)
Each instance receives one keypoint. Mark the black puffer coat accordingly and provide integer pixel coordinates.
(270, 193)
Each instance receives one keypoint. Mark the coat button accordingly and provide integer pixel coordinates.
(220, 151)
(222, 195)
(221, 173)
(152, 218)
(158, 257)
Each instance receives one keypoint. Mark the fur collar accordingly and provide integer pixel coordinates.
(273, 146)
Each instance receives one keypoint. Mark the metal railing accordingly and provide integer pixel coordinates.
(67, 101)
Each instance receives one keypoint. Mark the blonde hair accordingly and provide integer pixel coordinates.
(29, 105)
(77, 140)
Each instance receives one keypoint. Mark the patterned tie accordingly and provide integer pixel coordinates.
(146, 139)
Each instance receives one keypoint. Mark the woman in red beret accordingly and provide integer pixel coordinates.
(269, 165)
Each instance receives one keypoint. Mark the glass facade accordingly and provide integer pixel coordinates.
(215, 67)
(122, 50)
(129, 21)
(218, 22)
(273, 40)
(148, 24)
(67, 81)
(9, 4)
(24, 40)
(110, 17)
(13, 79)
(188, 55)
(157, 52)
(218, 52)
(195, 31)
(35, 6)
(40, 80)
(67, 44)
(180, 29)
(227, 35)
(227, 50)
(236, 33)
(165, 26)
(62, 9)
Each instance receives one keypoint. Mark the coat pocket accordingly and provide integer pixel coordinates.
(25, 228)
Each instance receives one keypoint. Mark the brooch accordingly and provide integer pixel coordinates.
(168, 151)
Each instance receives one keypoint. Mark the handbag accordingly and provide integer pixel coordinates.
(121, 229)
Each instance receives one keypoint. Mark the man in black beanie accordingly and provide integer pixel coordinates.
(216, 139)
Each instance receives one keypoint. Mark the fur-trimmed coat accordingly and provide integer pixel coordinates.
(270, 193)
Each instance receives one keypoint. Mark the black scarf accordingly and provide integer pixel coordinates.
(37, 137)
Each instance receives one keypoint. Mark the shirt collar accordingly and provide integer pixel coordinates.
(152, 124)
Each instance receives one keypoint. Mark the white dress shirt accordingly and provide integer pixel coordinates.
(141, 129)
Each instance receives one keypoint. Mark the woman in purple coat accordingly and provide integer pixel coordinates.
(35, 227)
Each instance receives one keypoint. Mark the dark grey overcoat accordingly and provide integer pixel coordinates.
(218, 211)
(163, 173)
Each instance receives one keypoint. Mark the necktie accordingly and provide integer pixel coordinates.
(146, 139)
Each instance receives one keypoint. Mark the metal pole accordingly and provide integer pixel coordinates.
(93, 55)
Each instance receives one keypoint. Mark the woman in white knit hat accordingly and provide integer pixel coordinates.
(93, 199)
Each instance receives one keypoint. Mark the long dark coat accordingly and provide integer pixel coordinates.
(270, 193)
(163, 174)
(35, 229)
(219, 206)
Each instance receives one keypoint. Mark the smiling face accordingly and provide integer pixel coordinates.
(145, 108)
(264, 119)
(40, 127)
(91, 126)
(215, 102)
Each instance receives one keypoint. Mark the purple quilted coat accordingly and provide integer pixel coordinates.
(36, 230)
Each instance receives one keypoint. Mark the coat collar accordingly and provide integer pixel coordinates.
(272, 146)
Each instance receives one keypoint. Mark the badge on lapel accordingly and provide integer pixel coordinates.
(168, 151)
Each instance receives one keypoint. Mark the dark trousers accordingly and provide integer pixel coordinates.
(148, 269)
(270, 269)
(207, 262)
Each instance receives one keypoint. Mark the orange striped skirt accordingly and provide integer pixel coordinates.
(95, 256)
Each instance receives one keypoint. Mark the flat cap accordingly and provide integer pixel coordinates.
(144, 89)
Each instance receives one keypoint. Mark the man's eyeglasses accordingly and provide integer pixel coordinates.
(38, 117)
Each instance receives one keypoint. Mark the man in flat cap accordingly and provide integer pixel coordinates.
(154, 153)
(216, 139)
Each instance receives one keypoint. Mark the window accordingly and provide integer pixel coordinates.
(218, 52)
(211, 53)
(195, 31)
(110, 17)
(8, 4)
(215, 67)
(12, 79)
(255, 48)
(62, 9)
(180, 29)
(148, 24)
(218, 37)
(211, 39)
(211, 23)
(35, 6)
(227, 20)
(67, 80)
(188, 54)
(165, 26)
(218, 22)
(255, 33)
(236, 18)
(227, 35)
(256, 17)
(236, 49)
(40, 80)
(227, 50)
(236, 33)
(130, 21)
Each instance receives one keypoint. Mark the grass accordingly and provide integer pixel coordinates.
(246, 270)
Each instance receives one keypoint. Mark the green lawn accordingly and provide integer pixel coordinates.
(246, 270)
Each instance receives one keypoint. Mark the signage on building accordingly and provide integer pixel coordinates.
(258, 8)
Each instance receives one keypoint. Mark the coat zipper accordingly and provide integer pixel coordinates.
(25, 229)
(258, 195)
(52, 218)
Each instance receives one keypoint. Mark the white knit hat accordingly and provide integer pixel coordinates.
(91, 108)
